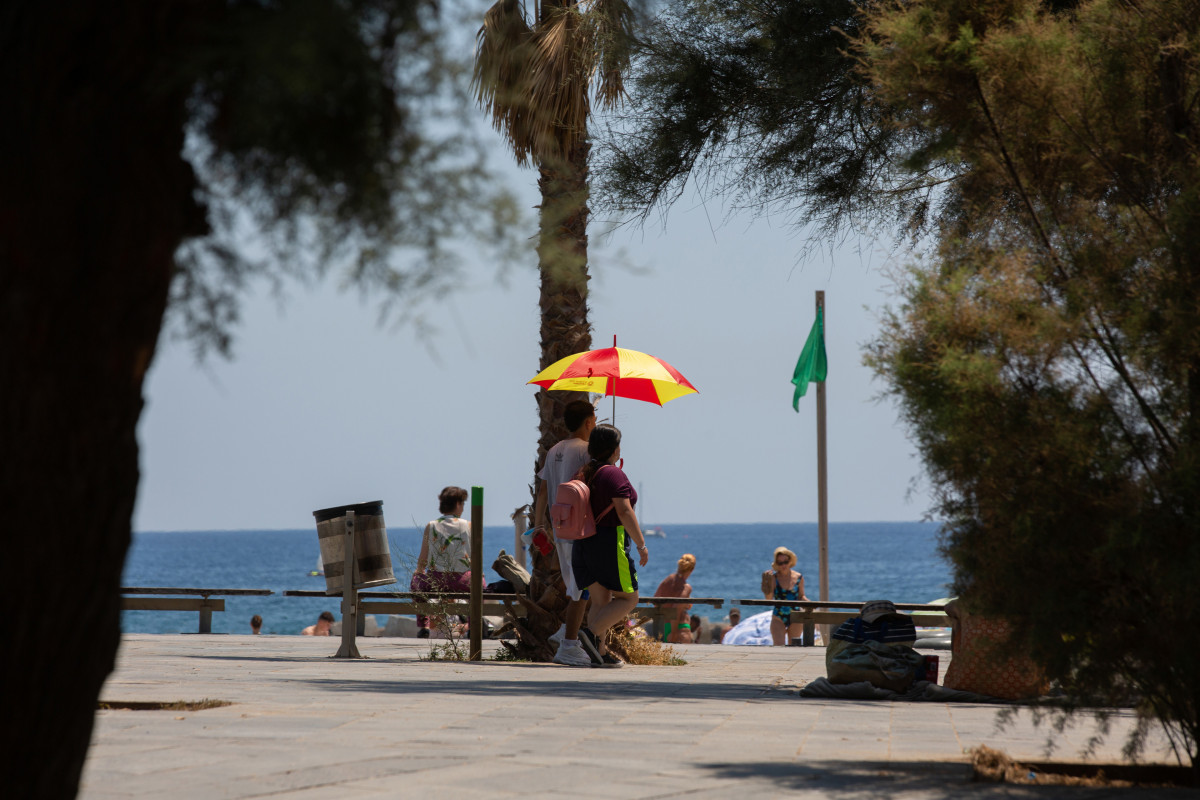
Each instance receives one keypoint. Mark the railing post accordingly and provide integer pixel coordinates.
(476, 625)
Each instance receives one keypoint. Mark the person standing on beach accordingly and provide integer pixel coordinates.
(562, 463)
(444, 564)
(677, 629)
(602, 562)
(781, 582)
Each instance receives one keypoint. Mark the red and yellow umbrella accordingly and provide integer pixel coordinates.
(616, 372)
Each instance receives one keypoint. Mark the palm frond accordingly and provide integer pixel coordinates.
(558, 82)
(534, 78)
(504, 52)
(611, 23)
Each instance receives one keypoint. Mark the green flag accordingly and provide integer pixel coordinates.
(812, 365)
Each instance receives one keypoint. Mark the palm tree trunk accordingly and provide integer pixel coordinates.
(563, 263)
(562, 260)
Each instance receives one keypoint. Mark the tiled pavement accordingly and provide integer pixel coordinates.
(728, 724)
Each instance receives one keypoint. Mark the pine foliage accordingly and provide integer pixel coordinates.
(1047, 355)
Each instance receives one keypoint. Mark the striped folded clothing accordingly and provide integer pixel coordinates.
(892, 629)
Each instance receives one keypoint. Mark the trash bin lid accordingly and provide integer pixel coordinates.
(372, 508)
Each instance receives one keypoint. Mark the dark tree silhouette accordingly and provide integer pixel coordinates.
(137, 135)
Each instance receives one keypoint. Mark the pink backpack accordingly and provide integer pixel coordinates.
(571, 514)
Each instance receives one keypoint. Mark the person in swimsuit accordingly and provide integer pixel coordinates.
(677, 585)
(781, 582)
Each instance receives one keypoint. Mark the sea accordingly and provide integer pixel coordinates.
(898, 561)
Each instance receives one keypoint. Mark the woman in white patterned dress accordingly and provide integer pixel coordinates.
(444, 564)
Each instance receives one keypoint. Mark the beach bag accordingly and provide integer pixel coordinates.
(888, 666)
(571, 514)
(982, 661)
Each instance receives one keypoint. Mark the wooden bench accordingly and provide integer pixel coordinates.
(494, 604)
(413, 603)
(203, 603)
(657, 609)
(816, 612)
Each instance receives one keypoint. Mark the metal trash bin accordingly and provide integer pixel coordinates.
(370, 545)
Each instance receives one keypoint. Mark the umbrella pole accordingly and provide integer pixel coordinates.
(614, 386)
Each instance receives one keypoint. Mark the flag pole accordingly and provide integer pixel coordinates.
(822, 485)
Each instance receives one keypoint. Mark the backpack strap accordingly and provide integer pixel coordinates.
(603, 513)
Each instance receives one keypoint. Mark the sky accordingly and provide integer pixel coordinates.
(322, 405)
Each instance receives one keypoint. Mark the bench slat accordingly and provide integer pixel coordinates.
(815, 604)
(715, 602)
(172, 604)
(405, 595)
(427, 609)
(202, 592)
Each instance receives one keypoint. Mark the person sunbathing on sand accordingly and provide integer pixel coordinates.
(324, 623)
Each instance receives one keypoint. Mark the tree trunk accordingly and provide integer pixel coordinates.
(94, 201)
(562, 261)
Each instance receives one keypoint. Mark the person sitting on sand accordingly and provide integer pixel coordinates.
(677, 629)
(324, 623)
(256, 624)
(781, 582)
(719, 630)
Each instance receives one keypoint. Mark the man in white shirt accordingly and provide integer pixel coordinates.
(562, 462)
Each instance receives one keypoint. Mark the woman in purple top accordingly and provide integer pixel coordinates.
(602, 562)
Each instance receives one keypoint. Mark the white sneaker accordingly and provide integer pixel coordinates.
(555, 639)
(572, 656)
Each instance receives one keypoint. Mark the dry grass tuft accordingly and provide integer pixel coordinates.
(994, 766)
(635, 647)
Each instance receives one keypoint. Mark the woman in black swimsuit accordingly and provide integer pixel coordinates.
(781, 582)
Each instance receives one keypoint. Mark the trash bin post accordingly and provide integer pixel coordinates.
(476, 625)
(348, 648)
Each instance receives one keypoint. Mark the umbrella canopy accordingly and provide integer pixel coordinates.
(616, 372)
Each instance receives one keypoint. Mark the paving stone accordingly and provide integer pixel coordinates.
(730, 723)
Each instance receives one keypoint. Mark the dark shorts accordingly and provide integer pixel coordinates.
(604, 559)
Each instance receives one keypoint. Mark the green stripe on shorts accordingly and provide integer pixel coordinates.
(623, 562)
